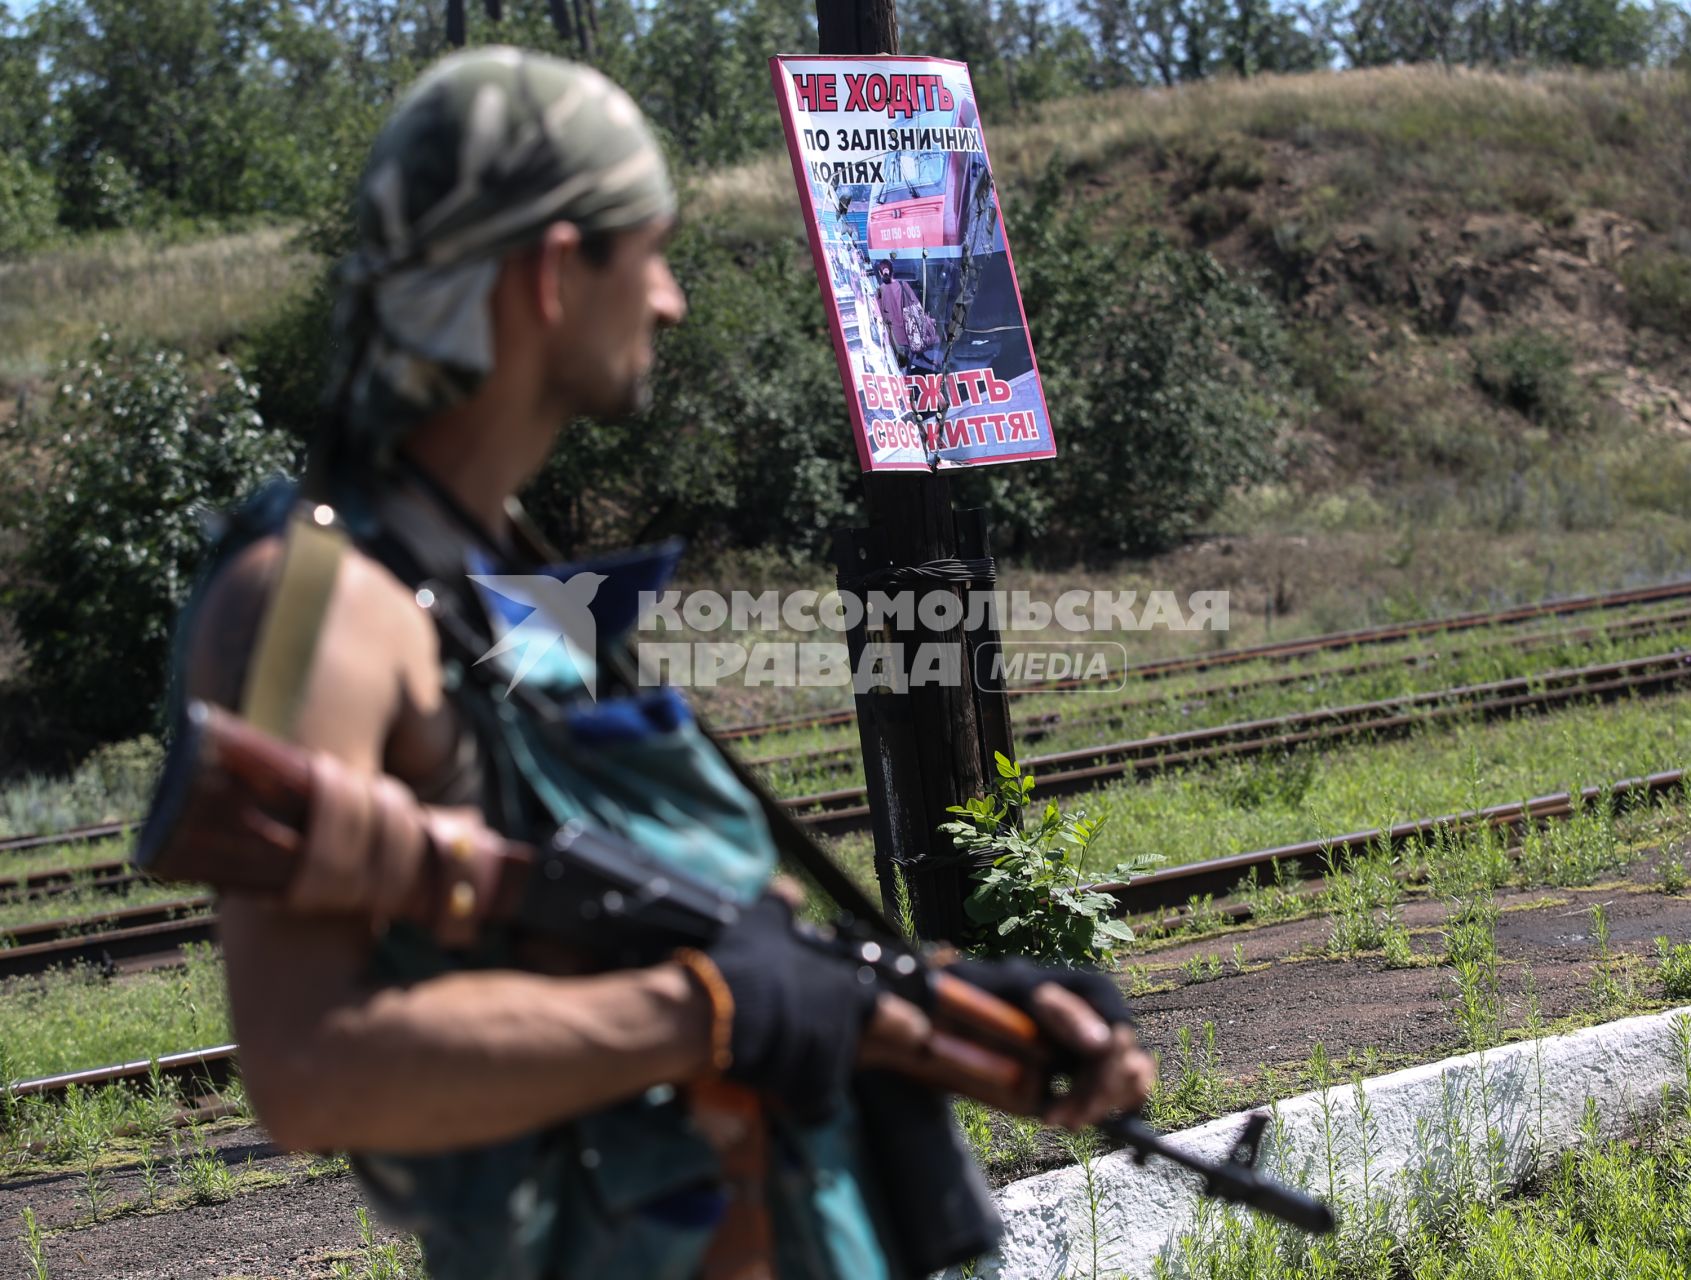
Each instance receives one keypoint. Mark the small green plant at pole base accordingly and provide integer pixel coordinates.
(1033, 899)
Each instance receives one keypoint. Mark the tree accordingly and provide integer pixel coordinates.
(700, 69)
(195, 107)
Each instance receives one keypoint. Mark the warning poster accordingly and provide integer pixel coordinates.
(915, 271)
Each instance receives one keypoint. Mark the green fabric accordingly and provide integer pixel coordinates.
(486, 150)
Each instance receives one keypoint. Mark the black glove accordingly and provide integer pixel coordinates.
(1013, 981)
(798, 1012)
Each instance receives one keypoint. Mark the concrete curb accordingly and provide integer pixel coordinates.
(1426, 1127)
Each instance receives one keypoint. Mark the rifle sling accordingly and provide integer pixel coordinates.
(287, 638)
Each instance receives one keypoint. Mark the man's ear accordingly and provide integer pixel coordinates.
(556, 257)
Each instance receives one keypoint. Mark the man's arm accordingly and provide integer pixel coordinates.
(454, 1061)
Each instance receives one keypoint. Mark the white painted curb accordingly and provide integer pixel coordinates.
(1428, 1124)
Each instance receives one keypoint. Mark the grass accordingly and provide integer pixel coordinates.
(70, 1020)
(1673, 968)
(1195, 814)
(32, 1244)
(66, 856)
(1185, 817)
(126, 1124)
(376, 1260)
(192, 295)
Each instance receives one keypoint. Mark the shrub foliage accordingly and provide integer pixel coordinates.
(108, 491)
(1166, 379)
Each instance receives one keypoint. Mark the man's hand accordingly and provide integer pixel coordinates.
(1083, 1012)
(1115, 1075)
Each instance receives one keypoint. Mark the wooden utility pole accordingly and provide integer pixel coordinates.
(932, 746)
(854, 27)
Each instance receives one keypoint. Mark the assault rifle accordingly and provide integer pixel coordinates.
(235, 808)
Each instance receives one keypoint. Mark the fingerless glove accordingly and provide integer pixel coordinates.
(798, 1012)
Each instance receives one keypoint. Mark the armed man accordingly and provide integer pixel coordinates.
(526, 1108)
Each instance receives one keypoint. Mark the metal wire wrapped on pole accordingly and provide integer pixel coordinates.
(976, 572)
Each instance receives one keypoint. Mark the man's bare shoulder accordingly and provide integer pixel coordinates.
(376, 650)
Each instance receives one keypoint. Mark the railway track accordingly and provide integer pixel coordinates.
(71, 927)
(73, 835)
(197, 1072)
(1061, 773)
(1037, 728)
(125, 948)
(846, 810)
(1176, 886)
(208, 1070)
(1283, 650)
(111, 876)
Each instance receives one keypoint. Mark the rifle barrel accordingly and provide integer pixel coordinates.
(1228, 1179)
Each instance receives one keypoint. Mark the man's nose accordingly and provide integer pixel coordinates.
(669, 303)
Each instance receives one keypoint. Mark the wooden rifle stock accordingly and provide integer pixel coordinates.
(231, 806)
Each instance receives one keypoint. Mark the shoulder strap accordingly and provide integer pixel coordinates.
(287, 638)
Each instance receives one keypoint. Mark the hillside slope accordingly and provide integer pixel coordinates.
(1487, 279)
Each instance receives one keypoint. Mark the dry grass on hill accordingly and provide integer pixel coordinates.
(1466, 133)
(194, 295)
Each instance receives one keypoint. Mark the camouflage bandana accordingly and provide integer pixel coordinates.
(489, 148)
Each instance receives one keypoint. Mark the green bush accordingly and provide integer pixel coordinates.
(1658, 290)
(29, 210)
(109, 491)
(1167, 379)
(1532, 373)
(99, 191)
(288, 357)
(746, 442)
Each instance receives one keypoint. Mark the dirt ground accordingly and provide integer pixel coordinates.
(297, 1226)
(1287, 998)
(1274, 1015)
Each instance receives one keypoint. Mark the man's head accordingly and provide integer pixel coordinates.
(513, 210)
